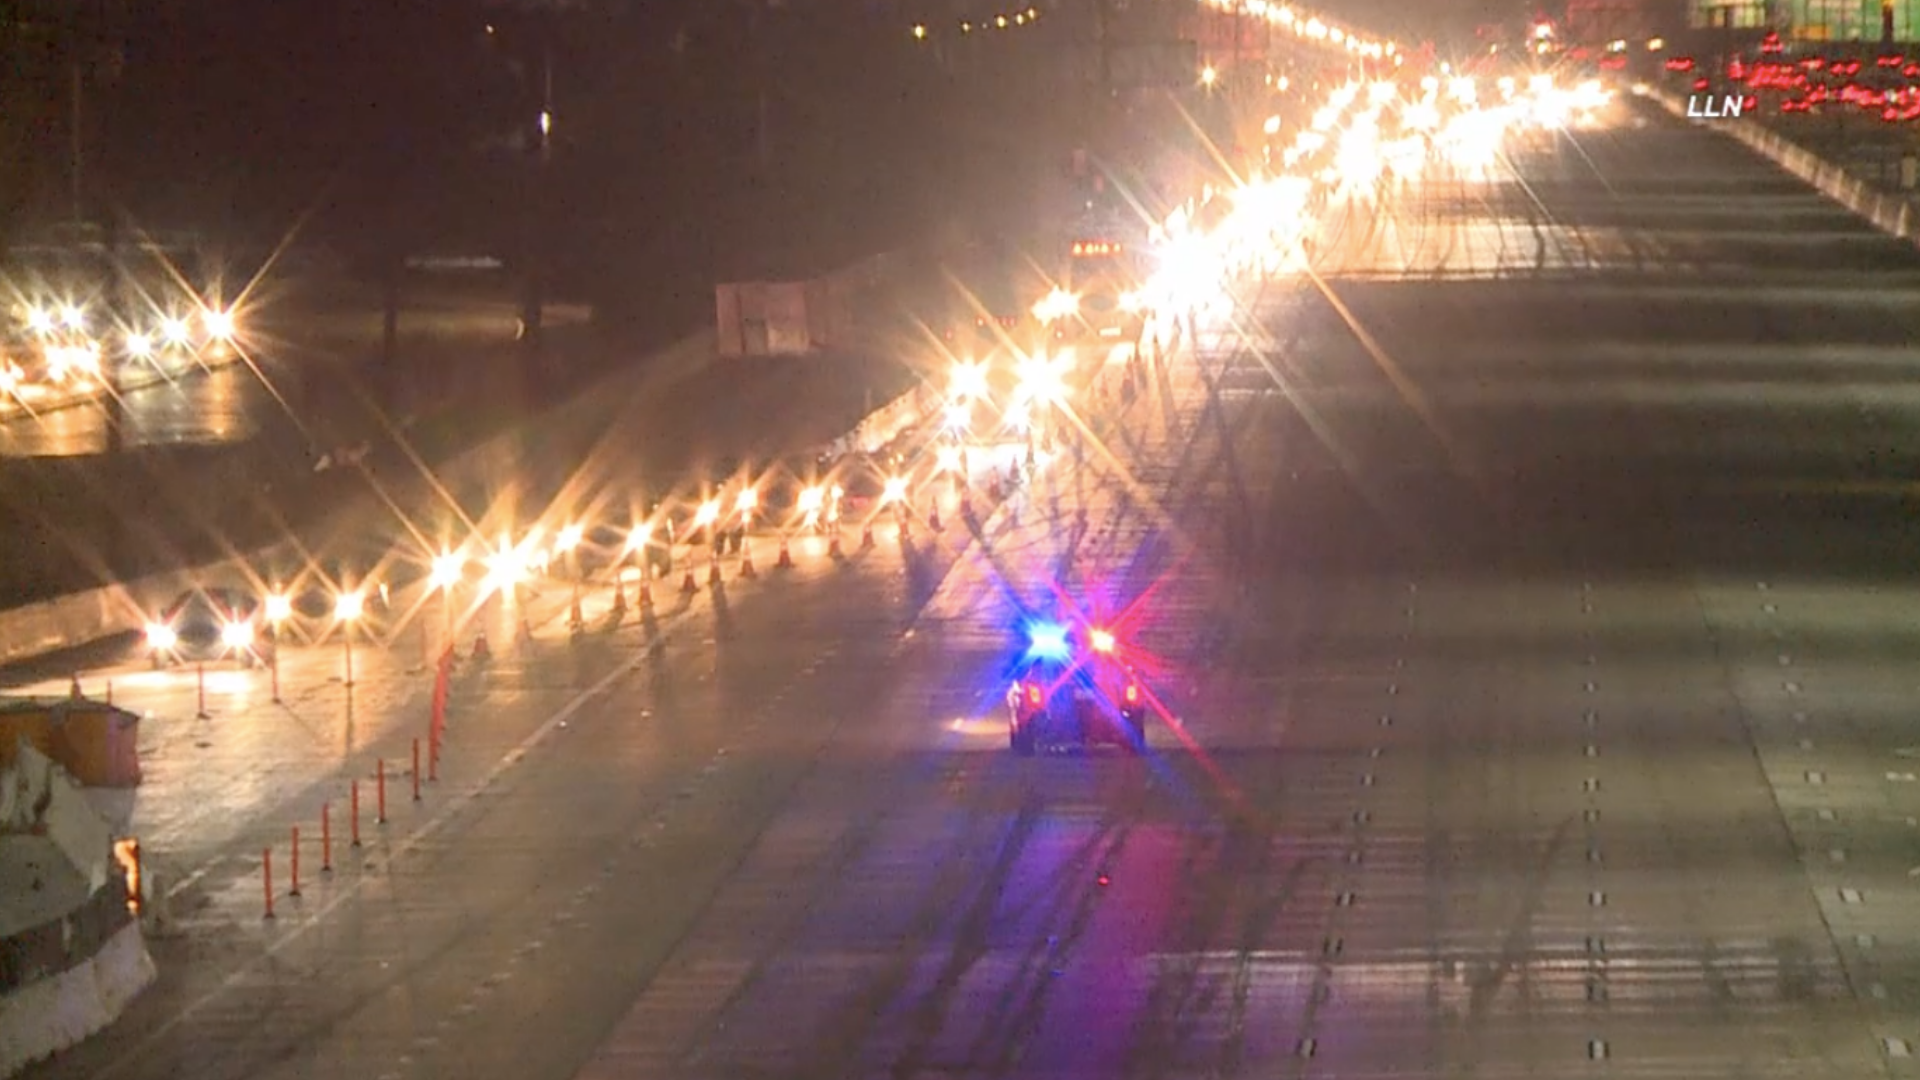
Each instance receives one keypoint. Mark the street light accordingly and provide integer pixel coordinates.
(448, 569)
(175, 332)
(707, 517)
(564, 545)
(506, 567)
(219, 324)
(279, 609)
(809, 504)
(969, 381)
(347, 609)
(638, 537)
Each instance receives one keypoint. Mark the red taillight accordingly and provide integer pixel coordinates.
(1133, 693)
(1033, 694)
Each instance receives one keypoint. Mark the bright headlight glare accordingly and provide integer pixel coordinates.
(237, 635)
(161, 636)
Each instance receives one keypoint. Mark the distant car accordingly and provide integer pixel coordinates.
(207, 625)
(1071, 692)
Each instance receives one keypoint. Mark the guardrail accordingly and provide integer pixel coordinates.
(1889, 212)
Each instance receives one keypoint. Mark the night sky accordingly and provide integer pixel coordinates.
(381, 115)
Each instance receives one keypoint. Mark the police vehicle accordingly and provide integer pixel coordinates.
(1071, 690)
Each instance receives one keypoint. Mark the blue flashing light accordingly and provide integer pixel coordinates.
(1048, 641)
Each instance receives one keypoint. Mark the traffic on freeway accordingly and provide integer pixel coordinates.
(1454, 627)
(55, 353)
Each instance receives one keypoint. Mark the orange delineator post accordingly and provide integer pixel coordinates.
(326, 838)
(293, 888)
(380, 793)
(355, 787)
(437, 726)
(416, 768)
(200, 681)
(266, 878)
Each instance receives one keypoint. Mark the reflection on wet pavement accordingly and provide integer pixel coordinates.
(221, 405)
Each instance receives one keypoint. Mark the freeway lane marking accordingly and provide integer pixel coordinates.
(433, 825)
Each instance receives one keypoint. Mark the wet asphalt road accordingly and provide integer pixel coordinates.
(1532, 673)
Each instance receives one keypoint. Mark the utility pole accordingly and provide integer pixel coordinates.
(76, 139)
(539, 223)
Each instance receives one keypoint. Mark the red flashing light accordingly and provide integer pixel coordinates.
(1700, 85)
(1033, 694)
(1133, 693)
(1680, 63)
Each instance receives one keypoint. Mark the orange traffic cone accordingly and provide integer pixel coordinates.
(480, 649)
(646, 594)
(713, 573)
(866, 537)
(785, 561)
(833, 548)
(576, 619)
(688, 586)
(746, 566)
(77, 695)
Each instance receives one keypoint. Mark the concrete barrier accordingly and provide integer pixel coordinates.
(1889, 212)
(66, 622)
(124, 607)
(50, 1015)
(71, 973)
(886, 423)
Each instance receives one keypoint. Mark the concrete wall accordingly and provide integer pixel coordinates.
(122, 607)
(67, 818)
(68, 977)
(49, 1015)
(1889, 212)
(889, 421)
